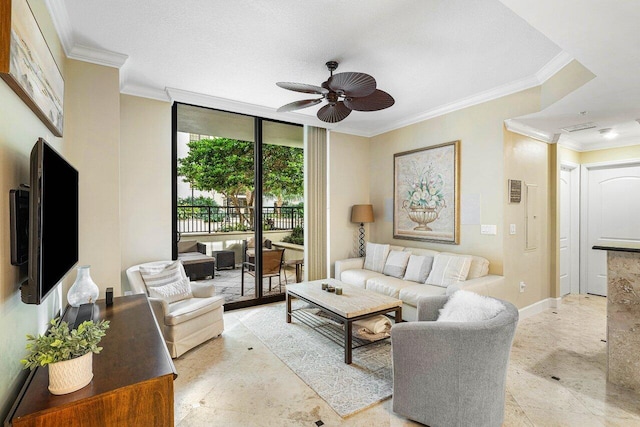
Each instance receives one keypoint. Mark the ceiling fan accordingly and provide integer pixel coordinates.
(343, 92)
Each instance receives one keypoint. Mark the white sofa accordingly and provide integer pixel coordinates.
(352, 271)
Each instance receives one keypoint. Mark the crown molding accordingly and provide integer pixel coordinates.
(556, 64)
(61, 23)
(548, 70)
(97, 56)
(603, 145)
(526, 130)
(200, 99)
(72, 49)
(145, 92)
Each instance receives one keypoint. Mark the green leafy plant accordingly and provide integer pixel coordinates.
(296, 237)
(62, 343)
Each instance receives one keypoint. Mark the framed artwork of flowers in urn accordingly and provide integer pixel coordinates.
(426, 203)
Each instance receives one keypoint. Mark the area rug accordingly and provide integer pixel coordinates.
(319, 362)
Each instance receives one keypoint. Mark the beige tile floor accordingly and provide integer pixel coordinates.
(236, 381)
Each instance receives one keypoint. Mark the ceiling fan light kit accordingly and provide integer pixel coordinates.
(343, 92)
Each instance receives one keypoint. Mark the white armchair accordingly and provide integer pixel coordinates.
(185, 323)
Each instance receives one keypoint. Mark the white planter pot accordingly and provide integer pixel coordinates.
(70, 375)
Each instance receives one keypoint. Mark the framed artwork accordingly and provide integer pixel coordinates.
(426, 199)
(27, 65)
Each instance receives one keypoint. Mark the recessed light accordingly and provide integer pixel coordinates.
(608, 133)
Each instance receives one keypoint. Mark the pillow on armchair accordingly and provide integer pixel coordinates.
(166, 282)
(467, 306)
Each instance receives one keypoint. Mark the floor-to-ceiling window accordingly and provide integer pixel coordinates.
(238, 192)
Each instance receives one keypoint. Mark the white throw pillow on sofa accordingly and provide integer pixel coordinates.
(396, 263)
(449, 269)
(466, 306)
(375, 257)
(418, 268)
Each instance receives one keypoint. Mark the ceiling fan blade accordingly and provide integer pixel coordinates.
(352, 84)
(333, 113)
(296, 105)
(378, 100)
(303, 87)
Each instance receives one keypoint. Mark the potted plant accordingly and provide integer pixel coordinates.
(68, 352)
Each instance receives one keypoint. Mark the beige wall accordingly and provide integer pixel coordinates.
(145, 181)
(349, 172)
(480, 130)
(19, 130)
(92, 117)
(527, 160)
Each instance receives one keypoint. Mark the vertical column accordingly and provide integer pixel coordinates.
(315, 203)
(623, 318)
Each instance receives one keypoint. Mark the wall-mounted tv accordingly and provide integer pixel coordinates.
(53, 222)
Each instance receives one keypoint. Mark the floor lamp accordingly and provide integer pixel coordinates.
(362, 214)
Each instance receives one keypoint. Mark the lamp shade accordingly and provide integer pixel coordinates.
(362, 213)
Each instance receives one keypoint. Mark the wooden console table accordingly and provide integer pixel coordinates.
(132, 377)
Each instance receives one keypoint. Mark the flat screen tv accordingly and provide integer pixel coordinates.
(53, 222)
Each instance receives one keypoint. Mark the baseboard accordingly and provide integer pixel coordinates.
(539, 307)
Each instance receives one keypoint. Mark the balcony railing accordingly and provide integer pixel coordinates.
(219, 219)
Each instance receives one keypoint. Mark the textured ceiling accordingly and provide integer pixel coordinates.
(431, 56)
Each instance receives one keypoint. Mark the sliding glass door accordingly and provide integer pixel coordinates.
(238, 191)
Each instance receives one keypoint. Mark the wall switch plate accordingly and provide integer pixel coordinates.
(489, 229)
(512, 229)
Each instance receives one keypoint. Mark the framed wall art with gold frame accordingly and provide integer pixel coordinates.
(27, 65)
(426, 203)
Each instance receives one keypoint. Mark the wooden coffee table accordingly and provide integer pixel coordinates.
(354, 304)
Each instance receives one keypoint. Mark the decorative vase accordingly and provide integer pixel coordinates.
(422, 216)
(70, 375)
(84, 290)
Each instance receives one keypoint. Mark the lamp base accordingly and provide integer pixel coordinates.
(361, 252)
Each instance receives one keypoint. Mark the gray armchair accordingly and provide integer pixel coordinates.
(187, 323)
(452, 373)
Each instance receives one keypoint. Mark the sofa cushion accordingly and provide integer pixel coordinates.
(376, 256)
(466, 306)
(479, 267)
(387, 285)
(188, 246)
(418, 268)
(358, 277)
(172, 292)
(396, 263)
(448, 269)
(410, 294)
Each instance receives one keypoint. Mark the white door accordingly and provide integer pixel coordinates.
(569, 230)
(613, 203)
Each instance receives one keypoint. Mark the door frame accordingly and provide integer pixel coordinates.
(574, 237)
(584, 203)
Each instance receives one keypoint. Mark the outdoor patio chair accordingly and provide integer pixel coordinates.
(271, 267)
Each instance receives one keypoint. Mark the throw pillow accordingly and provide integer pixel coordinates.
(449, 269)
(479, 267)
(396, 263)
(375, 257)
(418, 268)
(172, 292)
(466, 306)
(159, 275)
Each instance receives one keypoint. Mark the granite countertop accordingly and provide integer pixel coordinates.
(619, 247)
